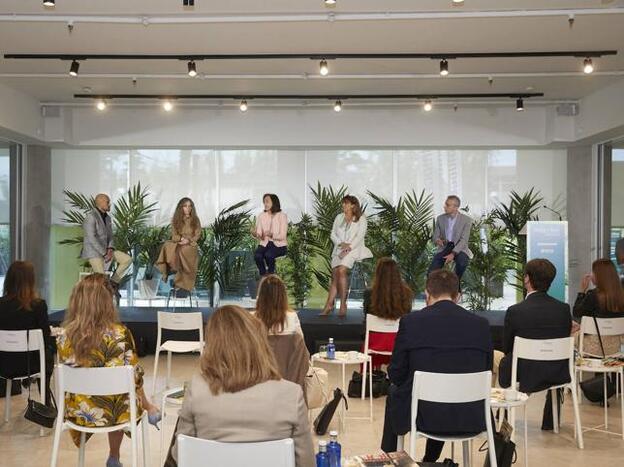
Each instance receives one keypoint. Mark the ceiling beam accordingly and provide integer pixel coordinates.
(312, 96)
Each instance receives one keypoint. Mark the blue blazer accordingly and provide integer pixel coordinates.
(442, 338)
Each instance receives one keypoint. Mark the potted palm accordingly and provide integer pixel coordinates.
(151, 241)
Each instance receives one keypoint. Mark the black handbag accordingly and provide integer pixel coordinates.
(381, 383)
(327, 413)
(505, 450)
(37, 412)
(593, 388)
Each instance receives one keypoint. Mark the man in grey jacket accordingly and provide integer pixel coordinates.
(97, 243)
(451, 235)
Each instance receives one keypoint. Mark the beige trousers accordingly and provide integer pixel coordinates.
(498, 356)
(123, 263)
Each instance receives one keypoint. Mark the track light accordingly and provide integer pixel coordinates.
(428, 106)
(588, 66)
(338, 106)
(100, 104)
(188, 2)
(49, 3)
(73, 69)
(243, 106)
(323, 68)
(444, 67)
(192, 69)
(519, 104)
(167, 105)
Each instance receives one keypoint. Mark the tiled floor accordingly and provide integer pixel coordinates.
(21, 445)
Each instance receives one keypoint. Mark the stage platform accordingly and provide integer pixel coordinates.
(348, 332)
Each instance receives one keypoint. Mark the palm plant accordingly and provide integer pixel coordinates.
(403, 231)
(326, 205)
(80, 205)
(297, 269)
(152, 239)
(228, 231)
(521, 209)
(131, 213)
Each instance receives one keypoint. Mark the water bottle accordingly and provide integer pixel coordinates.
(322, 459)
(334, 449)
(331, 349)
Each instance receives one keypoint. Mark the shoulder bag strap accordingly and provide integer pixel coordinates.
(599, 336)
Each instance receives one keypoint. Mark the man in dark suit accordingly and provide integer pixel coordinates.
(539, 316)
(441, 338)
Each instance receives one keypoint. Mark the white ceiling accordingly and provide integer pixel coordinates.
(559, 79)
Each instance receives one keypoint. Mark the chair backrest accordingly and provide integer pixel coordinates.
(17, 341)
(193, 452)
(180, 321)
(452, 388)
(377, 324)
(607, 327)
(544, 350)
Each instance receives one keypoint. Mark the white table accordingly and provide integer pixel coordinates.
(498, 401)
(343, 359)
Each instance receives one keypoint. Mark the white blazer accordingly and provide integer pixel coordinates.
(352, 233)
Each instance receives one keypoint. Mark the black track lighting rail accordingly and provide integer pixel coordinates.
(524, 95)
(314, 56)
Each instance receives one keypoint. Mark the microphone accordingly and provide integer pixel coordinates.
(552, 210)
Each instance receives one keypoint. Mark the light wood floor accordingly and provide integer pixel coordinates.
(21, 445)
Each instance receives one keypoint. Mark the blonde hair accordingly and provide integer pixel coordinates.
(272, 303)
(90, 313)
(237, 354)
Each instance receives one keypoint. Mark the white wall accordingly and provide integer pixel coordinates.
(20, 115)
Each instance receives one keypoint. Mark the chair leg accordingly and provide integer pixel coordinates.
(526, 438)
(452, 450)
(57, 441)
(168, 369)
(81, 450)
(621, 380)
(555, 409)
(42, 387)
(364, 365)
(145, 440)
(400, 442)
(134, 445)
(466, 453)
(7, 400)
(577, 417)
(370, 384)
(155, 370)
(163, 406)
(604, 394)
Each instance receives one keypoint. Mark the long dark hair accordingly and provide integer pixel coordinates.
(608, 285)
(391, 297)
(178, 216)
(19, 284)
(275, 202)
(356, 209)
(272, 303)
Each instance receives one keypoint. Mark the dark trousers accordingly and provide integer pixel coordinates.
(265, 257)
(389, 437)
(461, 263)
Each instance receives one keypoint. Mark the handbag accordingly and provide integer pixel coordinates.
(317, 387)
(327, 413)
(593, 388)
(381, 383)
(37, 412)
(505, 450)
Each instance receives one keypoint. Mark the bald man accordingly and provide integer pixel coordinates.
(97, 244)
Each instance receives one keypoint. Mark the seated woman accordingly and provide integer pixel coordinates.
(604, 301)
(272, 307)
(389, 298)
(179, 254)
(239, 395)
(22, 309)
(271, 231)
(92, 336)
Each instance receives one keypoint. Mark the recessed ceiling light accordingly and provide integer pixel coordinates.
(588, 66)
(323, 68)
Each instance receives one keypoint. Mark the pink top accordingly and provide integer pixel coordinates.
(274, 224)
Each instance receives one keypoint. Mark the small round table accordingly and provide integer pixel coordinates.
(344, 359)
(498, 401)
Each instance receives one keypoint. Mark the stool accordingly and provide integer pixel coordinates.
(173, 295)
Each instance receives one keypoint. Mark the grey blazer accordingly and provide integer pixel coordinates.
(98, 236)
(265, 412)
(461, 232)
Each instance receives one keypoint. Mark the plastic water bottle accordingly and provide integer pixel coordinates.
(334, 449)
(331, 349)
(322, 459)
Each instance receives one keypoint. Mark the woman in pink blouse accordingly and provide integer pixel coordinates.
(271, 230)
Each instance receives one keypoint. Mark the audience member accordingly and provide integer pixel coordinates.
(22, 309)
(272, 307)
(441, 338)
(606, 300)
(389, 298)
(92, 336)
(539, 316)
(239, 395)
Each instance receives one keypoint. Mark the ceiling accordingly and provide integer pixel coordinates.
(299, 31)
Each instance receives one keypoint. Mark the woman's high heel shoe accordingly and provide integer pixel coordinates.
(154, 419)
(326, 311)
(112, 462)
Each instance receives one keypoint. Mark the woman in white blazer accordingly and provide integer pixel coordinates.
(347, 234)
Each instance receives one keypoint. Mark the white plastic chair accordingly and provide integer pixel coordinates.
(193, 452)
(104, 381)
(167, 399)
(177, 322)
(607, 327)
(549, 350)
(448, 388)
(376, 324)
(17, 341)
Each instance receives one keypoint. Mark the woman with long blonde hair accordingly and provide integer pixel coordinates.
(239, 396)
(92, 336)
(272, 307)
(179, 255)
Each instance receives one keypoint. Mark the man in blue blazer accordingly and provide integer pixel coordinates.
(441, 338)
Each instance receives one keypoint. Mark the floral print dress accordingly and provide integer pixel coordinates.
(115, 349)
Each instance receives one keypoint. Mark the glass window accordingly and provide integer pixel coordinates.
(5, 210)
(617, 201)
